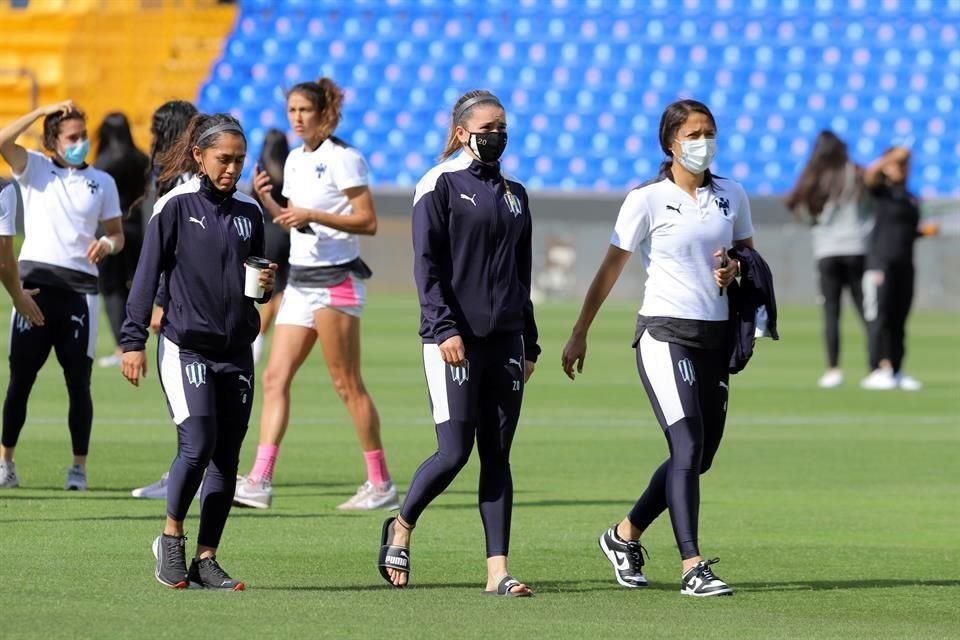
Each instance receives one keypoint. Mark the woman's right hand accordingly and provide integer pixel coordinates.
(64, 107)
(453, 352)
(574, 354)
(133, 366)
(261, 182)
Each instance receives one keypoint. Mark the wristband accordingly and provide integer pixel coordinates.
(112, 246)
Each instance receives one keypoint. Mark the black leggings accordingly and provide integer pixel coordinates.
(482, 401)
(688, 389)
(837, 272)
(888, 296)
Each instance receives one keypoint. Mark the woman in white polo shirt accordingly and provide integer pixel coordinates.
(64, 199)
(327, 185)
(683, 221)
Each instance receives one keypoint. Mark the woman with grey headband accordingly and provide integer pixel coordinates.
(205, 238)
(472, 266)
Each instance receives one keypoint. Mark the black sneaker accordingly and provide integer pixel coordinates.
(626, 558)
(208, 574)
(699, 581)
(171, 561)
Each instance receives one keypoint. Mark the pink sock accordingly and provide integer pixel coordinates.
(263, 465)
(376, 467)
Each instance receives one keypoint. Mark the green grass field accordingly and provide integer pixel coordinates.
(836, 513)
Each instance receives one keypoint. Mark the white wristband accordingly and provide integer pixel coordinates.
(111, 245)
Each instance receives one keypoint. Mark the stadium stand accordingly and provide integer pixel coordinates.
(586, 80)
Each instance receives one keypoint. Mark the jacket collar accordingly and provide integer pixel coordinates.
(211, 193)
(485, 170)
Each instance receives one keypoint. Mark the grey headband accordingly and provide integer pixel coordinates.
(220, 128)
(462, 109)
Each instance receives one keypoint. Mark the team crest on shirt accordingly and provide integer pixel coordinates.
(243, 226)
(513, 203)
(460, 374)
(93, 186)
(320, 169)
(196, 373)
(687, 372)
(724, 205)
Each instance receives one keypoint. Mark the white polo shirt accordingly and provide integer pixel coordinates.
(8, 211)
(316, 180)
(678, 235)
(62, 207)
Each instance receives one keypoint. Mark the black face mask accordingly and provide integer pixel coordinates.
(488, 146)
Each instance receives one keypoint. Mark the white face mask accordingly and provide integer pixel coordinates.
(697, 155)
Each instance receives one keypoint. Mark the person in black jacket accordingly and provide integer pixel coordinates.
(199, 238)
(472, 266)
(128, 166)
(888, 280)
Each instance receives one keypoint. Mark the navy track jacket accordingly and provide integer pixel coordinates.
(198, 238)
(472, 238)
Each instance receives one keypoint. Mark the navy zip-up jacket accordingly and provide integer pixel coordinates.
(198, 238)
(755, 290)
(472, 245)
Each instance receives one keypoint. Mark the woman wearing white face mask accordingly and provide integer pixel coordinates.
(683, 221)
(64, 199)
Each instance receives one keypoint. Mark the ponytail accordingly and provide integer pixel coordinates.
(202, 131)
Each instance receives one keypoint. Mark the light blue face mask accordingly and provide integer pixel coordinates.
(75, 154)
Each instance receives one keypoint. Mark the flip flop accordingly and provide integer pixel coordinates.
(392, 556)
(504, 589)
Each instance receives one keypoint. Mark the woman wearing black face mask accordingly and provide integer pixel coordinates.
(472, 254)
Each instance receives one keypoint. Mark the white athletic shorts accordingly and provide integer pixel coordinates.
(300, 303)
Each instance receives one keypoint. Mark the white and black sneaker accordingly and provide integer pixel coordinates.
(626, 556)
(700, 581)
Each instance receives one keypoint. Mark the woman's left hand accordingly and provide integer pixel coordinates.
(528, 367)
(293, 217)
(725, 275)
(97, 251)
(268, 277)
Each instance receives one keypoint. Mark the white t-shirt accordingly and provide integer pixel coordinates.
(316, 180)
(8, 211)
(62, 207)
(678, 236)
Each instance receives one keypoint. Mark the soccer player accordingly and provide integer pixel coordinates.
(326, 182)
(64, 199)
(683, 220)
(199, 238)
(472, 265)
(888, 281)
(273, 155)
(169, 122)
(827, 196)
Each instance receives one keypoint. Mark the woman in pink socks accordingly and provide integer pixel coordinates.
(326, 183)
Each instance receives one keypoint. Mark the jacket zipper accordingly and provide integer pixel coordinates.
(223, 265)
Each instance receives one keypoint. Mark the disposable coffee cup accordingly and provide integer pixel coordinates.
(251, 283)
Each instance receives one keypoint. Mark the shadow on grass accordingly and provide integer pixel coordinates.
(540, 588)
(837, 585)
(241, 514)
(542, 503)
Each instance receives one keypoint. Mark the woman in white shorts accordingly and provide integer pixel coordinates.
(326, 182)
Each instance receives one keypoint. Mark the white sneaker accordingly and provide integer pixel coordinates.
(908, 383)
(832, 379)
(8, 475)
(155, 491)
(258, 495)
(112, 360)
(76, 479)
(369, 497)
(879, 380)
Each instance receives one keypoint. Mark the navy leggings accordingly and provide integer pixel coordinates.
(210, 401)
(479, 401)
(688, 390)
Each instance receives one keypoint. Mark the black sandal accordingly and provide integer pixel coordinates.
(504, 589)
(393, 556)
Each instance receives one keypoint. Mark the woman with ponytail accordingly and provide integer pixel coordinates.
(472, 266)
(326, 183)
(206, 239)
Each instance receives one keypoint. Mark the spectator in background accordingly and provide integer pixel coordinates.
(128, 166)
(888, 281)
(64, 201)
(273, 155)
(827, 196)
